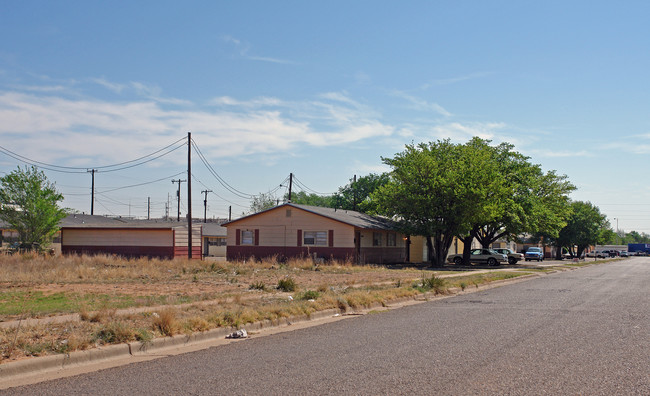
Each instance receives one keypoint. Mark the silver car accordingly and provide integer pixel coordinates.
(483, 256)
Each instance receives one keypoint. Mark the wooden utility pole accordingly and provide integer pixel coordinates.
(290, 185)
(205, 205)
(92, 191)
(178, 197)
(189, 195)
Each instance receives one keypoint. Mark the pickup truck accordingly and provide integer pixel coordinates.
(534, 253)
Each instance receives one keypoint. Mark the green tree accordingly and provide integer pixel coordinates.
(586, 226)
(29, 204)
(356, 195)
(434, 190)
(262, 202)
(530, 201)
(302, 198)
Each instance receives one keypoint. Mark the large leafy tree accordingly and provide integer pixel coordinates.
(356, 195)
(434, 190)
(530, 201)
(303, 198)
(29, 203)
(586, 226)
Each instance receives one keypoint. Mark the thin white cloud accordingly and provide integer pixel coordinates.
(422, 105)
(458, 131)
(561, 153)
(243, 49)
(57, 129)
(117, 88)
(253, 103)
(454, 80)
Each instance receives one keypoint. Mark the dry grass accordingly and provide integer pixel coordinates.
(217, 294)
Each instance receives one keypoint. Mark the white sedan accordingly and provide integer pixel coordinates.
(483, 256)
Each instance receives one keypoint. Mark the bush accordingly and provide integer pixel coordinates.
(434, 283)
(308, 295)
(257, 286)
(286, 285)
(165, 322)
(115, 333)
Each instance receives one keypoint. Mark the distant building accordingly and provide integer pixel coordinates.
(86, 234)
(214, 241)
(292, 230)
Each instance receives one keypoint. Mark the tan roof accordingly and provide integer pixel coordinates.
(356, 219)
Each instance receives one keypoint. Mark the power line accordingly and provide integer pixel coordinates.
(217, 195)
(221, 181)
(304, 187)
(105, 168)
(144, 183)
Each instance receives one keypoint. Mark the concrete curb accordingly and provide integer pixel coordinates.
(14, 370)
(57, 362)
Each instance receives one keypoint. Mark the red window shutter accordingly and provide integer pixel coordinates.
(299, 243)
(257, 237)
(237, 237)
(330, 238)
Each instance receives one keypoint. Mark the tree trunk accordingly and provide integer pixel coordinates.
(467, 248)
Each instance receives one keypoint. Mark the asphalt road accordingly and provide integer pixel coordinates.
(582, 332)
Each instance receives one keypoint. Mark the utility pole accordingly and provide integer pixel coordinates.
(178, 197)
(148, 208)
(189, 195)
(205, 204)
(92, 192)
(290, 185)
(354, 194)
(229, 213)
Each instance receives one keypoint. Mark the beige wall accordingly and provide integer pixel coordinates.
(180, 233)
(418, 249)
(367, 239)
(122, 237)
(278, 229)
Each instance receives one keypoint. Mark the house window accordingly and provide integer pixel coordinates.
(376, 239)
(212, 241)
(247, 237)
(288, 212)
(317, 238)
(391, 239)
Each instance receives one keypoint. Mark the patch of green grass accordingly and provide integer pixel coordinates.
(257, 286)
(37, 303)
(308, 295)
(437, 284)
(287, 285)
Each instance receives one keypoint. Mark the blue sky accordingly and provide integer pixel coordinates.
(323, 90)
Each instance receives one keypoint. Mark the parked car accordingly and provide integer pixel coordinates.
(624, 253)
(534, 253)
(513, 257)
(483, 256)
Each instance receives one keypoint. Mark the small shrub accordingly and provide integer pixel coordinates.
(308, 295)
(286, 285)
(197, 324)
(165, 322)
(115, 333)
(257, 286)
(434, 283)
(143, 335)
(463, 286)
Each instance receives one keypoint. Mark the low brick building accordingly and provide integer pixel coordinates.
(292, 230)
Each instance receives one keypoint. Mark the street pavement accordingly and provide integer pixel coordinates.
(581, 332)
